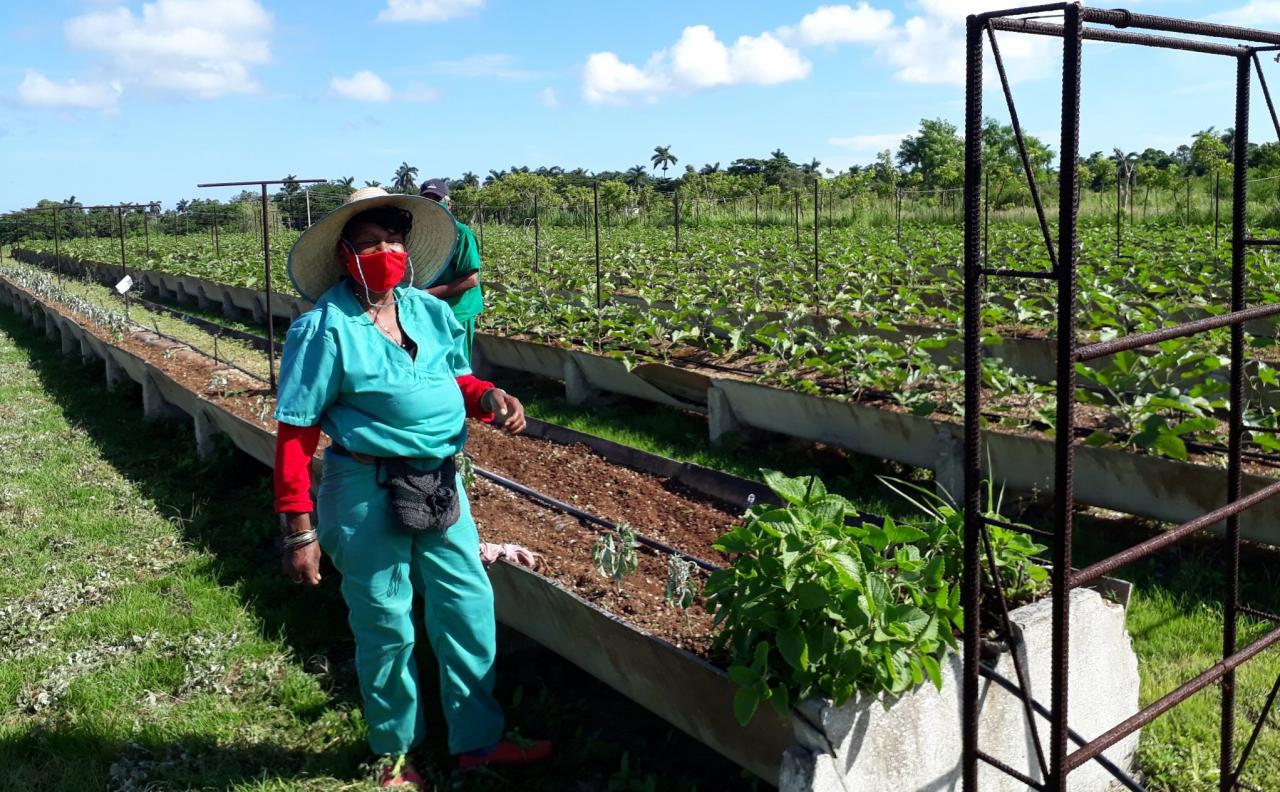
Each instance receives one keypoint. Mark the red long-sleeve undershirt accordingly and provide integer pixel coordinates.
(296, 445)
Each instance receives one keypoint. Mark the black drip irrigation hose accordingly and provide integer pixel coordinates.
(1120, 776)
(588, 517)
(213, 328)
(195, 348)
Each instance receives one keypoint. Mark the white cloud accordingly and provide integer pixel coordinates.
(427, 10)
(363, 86)
(698, 60)
(929, 48)
(198, 48)
(1256, 13)
(366, 86)
(607, 80)
(547, 98)
(39, 91)
(869, 144)
(417, 92)
(840, 24)
(491, 64)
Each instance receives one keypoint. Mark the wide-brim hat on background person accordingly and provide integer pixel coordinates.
(315, 264)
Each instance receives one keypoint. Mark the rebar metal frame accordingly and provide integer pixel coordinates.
(1079, 24)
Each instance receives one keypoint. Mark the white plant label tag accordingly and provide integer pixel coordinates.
(125, 284)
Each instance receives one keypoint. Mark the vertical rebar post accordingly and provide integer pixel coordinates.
(1235, 432)
(146, 232)
(124, 264)
(675, 209)
(266, 290)
(1064, 450)
(898, 214)
(817, 217)
(57, 244)
(797, 214)
(217, 246)
(1119, 205)
(973, 263)
(595, 213)
(1217, 178)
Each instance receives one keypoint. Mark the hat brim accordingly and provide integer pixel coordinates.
(315, 264)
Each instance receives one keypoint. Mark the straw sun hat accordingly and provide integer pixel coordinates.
(314, 262)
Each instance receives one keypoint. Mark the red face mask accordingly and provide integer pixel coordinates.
(378, 271)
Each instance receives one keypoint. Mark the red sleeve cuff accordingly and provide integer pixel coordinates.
(473, 388)
(295, 446)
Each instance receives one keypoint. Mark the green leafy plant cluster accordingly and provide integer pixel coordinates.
(818, 604)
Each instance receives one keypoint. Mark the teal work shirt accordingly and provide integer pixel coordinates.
(367, 393)
(466, 260)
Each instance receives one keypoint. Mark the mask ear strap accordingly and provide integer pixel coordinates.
(368, 297)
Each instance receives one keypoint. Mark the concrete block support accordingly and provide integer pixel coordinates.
(50, 326)
(721, 422)
(69, 346)
(154, 407)
(948, 471)
(115, 374)
(205, 430)
(577, 391)
(37, 317)
(86, 351)
(202, 302)
(861, 744)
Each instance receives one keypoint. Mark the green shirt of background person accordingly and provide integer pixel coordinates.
(459, 284)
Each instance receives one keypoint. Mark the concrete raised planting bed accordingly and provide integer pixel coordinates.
(688, 691)
(1149, 486)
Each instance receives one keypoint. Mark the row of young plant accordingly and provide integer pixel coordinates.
(820, 603)
(816, 600)
(693, 302)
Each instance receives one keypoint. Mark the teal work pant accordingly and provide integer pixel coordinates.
(382, 567)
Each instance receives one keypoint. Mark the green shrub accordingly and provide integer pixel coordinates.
(814, 606)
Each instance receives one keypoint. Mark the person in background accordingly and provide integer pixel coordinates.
(459, 284)
(378, 366)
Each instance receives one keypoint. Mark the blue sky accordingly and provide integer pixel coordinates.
(122, 100)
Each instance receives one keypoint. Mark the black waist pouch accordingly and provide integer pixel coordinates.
(421, 502)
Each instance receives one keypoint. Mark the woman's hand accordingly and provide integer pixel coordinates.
(301, 564)
(508, 412)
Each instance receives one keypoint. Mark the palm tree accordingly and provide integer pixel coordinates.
(372, 183)
(779, 156)
(71, 202)
(635, 176)
(182, 205)
(290, 185)
(494, 175)
(346, 181)
(469, 179)
(662, 157)
(811, 167)
(710, 168)
(405, 180)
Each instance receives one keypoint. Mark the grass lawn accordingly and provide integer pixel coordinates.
(147, 640)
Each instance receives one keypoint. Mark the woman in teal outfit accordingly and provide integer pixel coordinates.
(378, 365)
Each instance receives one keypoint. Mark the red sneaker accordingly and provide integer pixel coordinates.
(399, 772)
(509, 753)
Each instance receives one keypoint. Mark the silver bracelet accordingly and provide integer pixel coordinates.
(295, 540)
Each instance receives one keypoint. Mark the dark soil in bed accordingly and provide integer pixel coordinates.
(575, 475)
